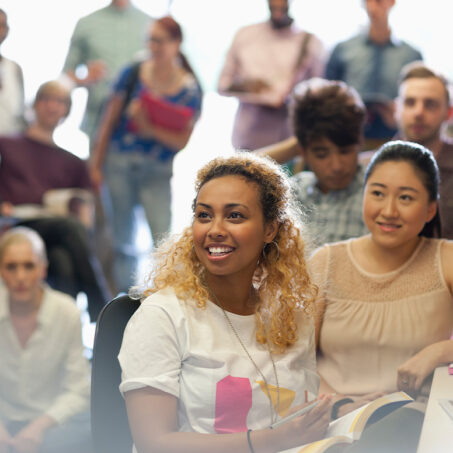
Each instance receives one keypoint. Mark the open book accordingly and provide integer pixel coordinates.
(349, 428)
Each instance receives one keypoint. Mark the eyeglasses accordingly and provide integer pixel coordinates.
(158, 41)
(52, 98)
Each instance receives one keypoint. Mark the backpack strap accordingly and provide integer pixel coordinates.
(303, 49)
(131, 83)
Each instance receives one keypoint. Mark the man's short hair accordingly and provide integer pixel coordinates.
(418, 70)
(52, 87)
(327, 109)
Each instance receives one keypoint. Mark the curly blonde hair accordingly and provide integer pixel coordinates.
(281, 278)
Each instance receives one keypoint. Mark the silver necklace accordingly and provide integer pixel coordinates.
(273, 415)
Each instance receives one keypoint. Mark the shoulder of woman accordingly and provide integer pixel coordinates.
(188, 80)
(446, 250)
(164, 297)
(61, 301)
(127, 77)
(58, 307)
(167, 301)
(144, 69)
(161, 308)
(316, 264)
(318, 260)
(446, 256)
(320, 254)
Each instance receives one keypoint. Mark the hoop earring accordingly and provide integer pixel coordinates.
(267, 253)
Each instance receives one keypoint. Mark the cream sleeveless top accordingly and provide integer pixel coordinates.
(373, 323)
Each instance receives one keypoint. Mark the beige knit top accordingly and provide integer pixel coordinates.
(373, 323)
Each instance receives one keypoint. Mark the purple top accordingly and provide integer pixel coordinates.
(29, 168)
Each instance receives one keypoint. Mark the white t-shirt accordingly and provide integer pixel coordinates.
(193, 354)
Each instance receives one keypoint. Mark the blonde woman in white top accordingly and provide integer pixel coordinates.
(224, 344)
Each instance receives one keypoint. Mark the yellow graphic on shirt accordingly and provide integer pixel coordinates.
(286, 397)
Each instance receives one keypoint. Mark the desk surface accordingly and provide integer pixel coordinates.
(437, 431)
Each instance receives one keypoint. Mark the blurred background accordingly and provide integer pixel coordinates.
(40, 32)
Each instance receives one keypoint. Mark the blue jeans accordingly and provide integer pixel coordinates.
(135, 179)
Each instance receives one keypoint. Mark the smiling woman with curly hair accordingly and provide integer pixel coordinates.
(224, 341)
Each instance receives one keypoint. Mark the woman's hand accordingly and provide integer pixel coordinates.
(138, 115)
(307, 428)
(97, 71)
(134, 109)
(387, 113)
(412, 373)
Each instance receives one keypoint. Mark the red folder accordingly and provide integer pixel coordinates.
(166, 114)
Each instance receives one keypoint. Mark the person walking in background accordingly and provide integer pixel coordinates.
(262, 66)
(371, 63)
(149, 118)
(103, 42)
(11, 88)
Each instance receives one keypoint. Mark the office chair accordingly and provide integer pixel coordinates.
(109, 423)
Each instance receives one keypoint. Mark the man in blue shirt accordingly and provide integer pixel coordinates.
(371, 63)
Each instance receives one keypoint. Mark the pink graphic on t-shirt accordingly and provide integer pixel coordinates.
(232, 405)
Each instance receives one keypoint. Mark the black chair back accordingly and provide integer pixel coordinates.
(109, 423)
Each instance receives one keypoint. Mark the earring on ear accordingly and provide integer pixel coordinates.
(267, 252)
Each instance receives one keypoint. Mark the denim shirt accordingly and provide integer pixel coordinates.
(373, 70)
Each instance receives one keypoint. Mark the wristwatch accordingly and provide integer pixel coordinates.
(337, 405)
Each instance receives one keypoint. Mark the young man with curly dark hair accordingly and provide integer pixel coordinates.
(328, 118)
